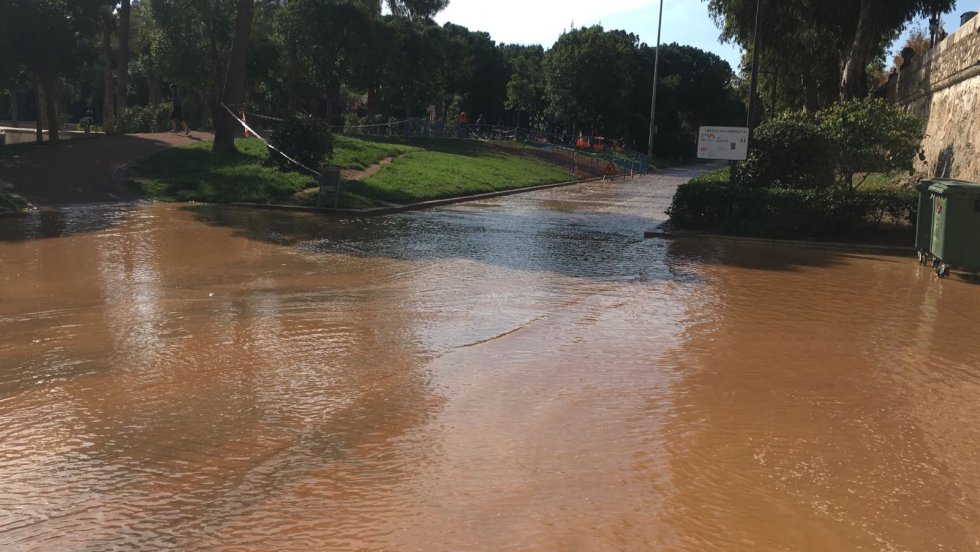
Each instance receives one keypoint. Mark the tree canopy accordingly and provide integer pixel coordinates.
(803, 38)
(341, 61)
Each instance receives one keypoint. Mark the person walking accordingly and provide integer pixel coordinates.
(177, 112)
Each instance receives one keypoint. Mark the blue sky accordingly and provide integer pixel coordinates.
(542, 21)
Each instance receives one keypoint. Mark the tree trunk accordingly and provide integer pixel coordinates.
(373, 103)
(15, 107)
(854, 81)
(811, 97)
(234, 90)
(38, 112)
(122, 85)
(108, 102)
(153, 81)
(49, 85)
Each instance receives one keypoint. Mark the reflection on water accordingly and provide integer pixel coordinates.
(517, 374)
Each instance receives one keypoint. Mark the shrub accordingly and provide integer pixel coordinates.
(870, 136)
(305, 139)
(351, 122)
(790, 151)
(708, 203)
(150, 118)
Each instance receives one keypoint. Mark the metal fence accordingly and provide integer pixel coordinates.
(579, 151)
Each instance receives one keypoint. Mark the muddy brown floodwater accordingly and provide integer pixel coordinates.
(526, 373)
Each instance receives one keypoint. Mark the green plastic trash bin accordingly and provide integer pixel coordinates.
(955, 225)
(923, 225)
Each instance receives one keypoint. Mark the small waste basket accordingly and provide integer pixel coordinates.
(955, 226)
(923, 225)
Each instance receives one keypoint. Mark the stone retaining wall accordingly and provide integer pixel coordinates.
(943, 88)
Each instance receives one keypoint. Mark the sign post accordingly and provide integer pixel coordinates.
(725, 143)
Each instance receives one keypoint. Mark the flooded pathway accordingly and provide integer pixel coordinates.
(525, 373)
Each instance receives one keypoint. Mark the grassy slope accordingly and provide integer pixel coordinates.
(450, 169)
(10, 203)
(354, 153)
(428, 169)
(194, 173)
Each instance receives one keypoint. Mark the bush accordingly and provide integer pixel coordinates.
(708, 203)
(351, 122)
(871, 136)
(305, 139)
(790, 151)
(150, 118)
(801, 151)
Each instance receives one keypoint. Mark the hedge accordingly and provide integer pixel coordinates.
(709, 204)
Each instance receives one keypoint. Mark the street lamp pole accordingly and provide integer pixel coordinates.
(656, 72)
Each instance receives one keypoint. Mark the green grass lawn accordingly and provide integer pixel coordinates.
(194, 173)
(451, 169)
(11, 203)
(355, 153)
(878, 181)
(427, 169)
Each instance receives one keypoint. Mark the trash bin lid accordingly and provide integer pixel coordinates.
(946, 187)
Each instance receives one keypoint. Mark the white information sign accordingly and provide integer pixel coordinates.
(729, 143)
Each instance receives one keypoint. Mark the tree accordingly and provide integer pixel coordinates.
(56, 52)
(695, 88)
(870, 136)
(234, 89)
(417, 9)
(325, 55)
(190, 45)
(589, 79)
(122, 84)
(857, 31)
(526, 87)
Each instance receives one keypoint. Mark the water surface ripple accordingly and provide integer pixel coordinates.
(525, 373)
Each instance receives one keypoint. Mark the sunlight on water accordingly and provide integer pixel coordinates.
(518, 374)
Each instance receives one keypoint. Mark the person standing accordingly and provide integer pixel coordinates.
(177, 112)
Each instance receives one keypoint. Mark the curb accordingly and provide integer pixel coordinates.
(381, 211)
(840, 246)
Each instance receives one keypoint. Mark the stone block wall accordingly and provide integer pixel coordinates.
(943, 88)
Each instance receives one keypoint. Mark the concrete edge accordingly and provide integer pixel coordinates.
(381, 211)
(839, 246)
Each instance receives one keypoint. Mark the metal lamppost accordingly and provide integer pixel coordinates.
(656, 71)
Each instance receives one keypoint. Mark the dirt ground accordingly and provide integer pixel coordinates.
(89, 170)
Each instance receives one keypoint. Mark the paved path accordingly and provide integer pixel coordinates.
(84, 170)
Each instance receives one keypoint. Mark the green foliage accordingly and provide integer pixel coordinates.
(799, 150)
(695, 89)
(360, 153)
(306, 139)
(526, 87)
(588, 77)
(871, 136)
(137, 119)
(449, 168)
(815, 41)
(11, 203)
(431, 169)
(791, 151)
(195, 173)
(709, 204)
